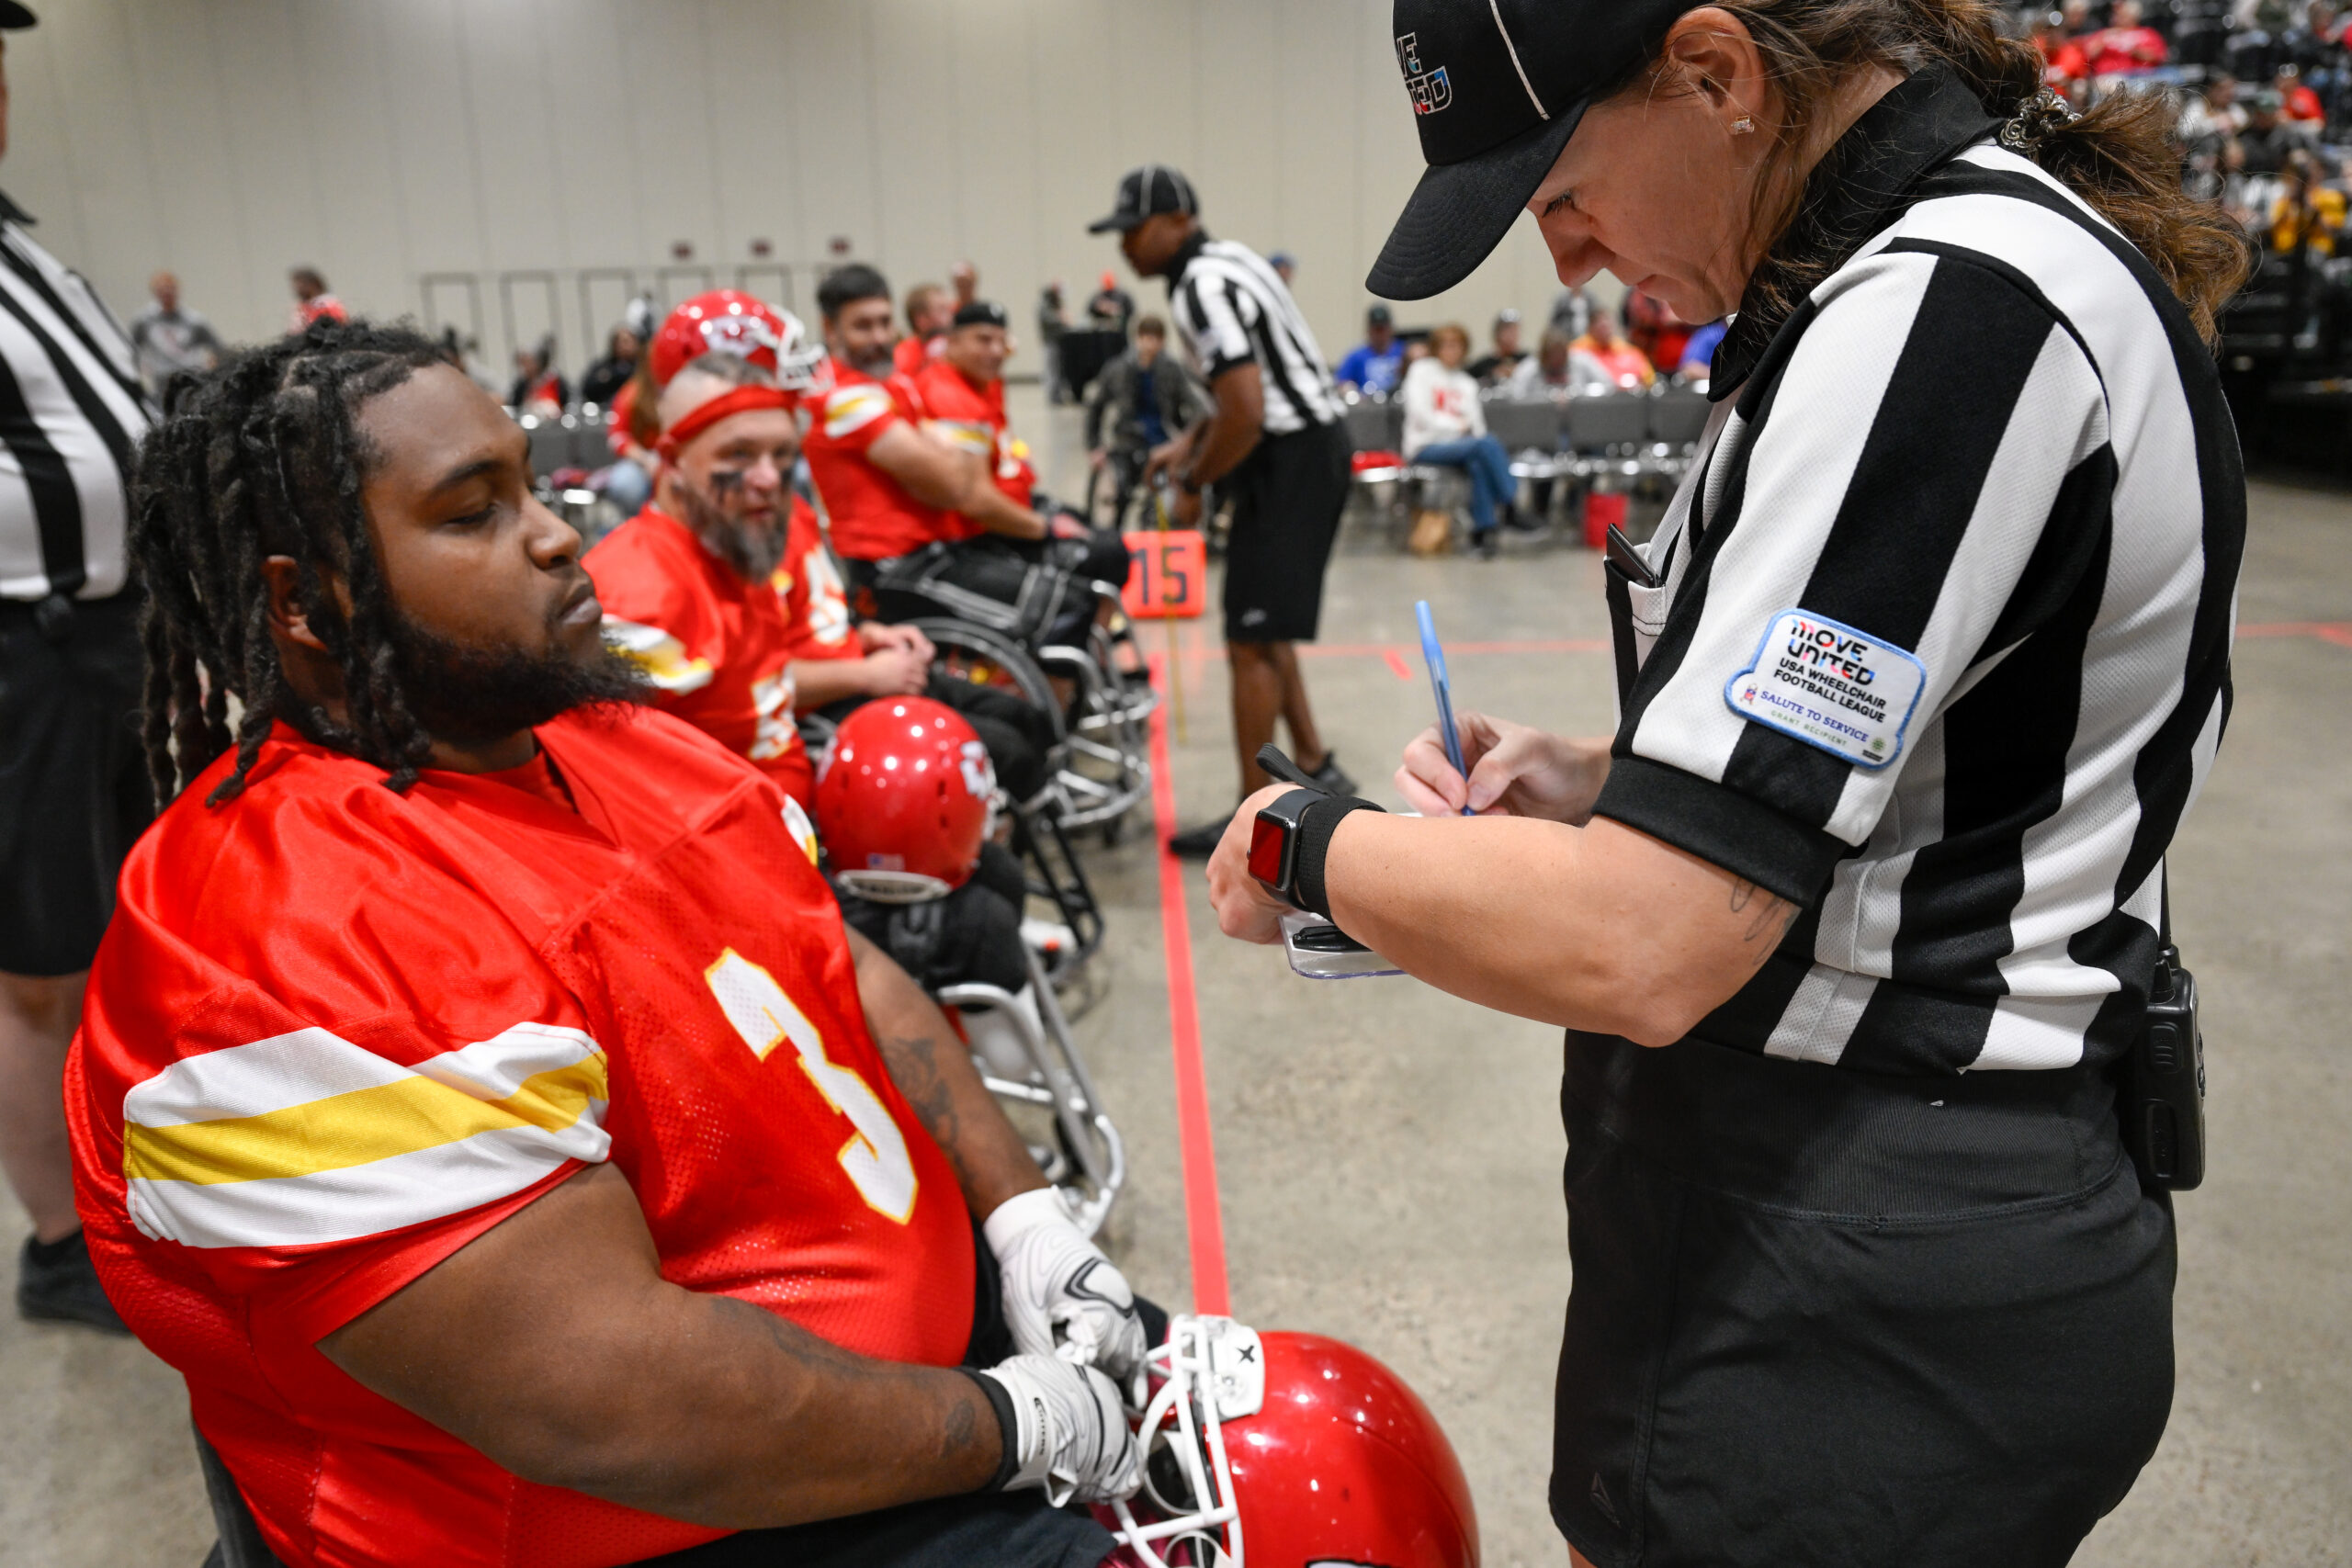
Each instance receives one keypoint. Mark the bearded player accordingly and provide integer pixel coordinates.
(480, 1101)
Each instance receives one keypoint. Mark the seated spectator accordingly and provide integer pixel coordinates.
(1571, 313)
(1558, 370)
(1652, 326)
(964, 280)
(1445, 426)
(1493, 369)
(1697, 365)
(2267, 140)
(1374, 366)
(1110, 307)
(2298, 105)
(917, 519)
(1286, 265)
(1627, 367)
(2208, 129)
(929, 310)
(2063, 63)
(1053, 320)
(2308, 216)
(1141, 400)
(602, 381)
(312, 300)
(166, 341)
(2124, 46)
(602, 1196)
(540, 388)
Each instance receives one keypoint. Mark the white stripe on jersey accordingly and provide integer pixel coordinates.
(1230, 308)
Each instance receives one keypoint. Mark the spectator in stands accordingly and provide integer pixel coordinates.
(1111, 308)
(1627, 367)
(964, 279)
(1557, 369)
(2308, 216)
(312, 300)
(1652, 326)
(1571, 313)
(1374, 366)
(1446, 427)
(1053, 320)
(929, 310)
(2124, 47)
(540, 388)
(165, 340)
(2208, 129)
(1286, 265)
(2267, 140)
(608, 375)
(1492, 369)
(1696, 367)
(2298, 105)
(918, 518)
(2063, 63)
(1141, 400)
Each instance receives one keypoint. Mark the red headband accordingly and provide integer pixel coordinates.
(704, 415)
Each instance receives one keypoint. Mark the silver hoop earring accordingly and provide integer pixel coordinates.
(1742, 125)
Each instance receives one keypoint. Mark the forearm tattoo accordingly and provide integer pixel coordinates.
(1773, 913)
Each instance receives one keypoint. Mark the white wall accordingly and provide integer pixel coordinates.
(384, 141)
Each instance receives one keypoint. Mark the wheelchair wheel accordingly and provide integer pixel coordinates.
(975, 654)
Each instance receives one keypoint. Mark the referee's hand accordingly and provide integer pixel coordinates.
(1516, 769)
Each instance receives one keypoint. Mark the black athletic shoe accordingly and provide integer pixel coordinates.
(1485, 547)
(1199, 844)
(1329, 777)
(58, 1284)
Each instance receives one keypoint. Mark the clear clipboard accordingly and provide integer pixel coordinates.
(1322, 950)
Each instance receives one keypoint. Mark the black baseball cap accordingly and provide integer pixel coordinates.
(981, 313)
(1498, 87)
(1145, 193)
(13, 16)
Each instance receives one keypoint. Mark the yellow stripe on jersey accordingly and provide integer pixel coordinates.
(305, 1138)
(659, 655)
(854, 408)
(964, 434)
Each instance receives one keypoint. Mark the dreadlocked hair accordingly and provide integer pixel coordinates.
(263, 457)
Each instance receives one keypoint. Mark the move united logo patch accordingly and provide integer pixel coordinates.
(1429, 90)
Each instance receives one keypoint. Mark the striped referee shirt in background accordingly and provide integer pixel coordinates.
(1990, 443)
(71, 415)
(1232, 308)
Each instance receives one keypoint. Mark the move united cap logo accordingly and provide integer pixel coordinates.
(1429, 90)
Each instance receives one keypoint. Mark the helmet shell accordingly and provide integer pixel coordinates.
(905, 799)
(727, 321)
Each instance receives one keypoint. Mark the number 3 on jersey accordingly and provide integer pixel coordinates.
(876, 1155)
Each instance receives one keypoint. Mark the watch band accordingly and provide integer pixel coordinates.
(1316, 826)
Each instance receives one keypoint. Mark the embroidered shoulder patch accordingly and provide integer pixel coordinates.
(1831, 686)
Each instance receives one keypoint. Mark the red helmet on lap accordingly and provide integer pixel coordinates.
(727, 321)
(905, 800)
(1278, 1451)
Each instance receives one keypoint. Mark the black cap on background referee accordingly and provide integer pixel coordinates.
(1498, 87)
(1145, 193)
(13, 15)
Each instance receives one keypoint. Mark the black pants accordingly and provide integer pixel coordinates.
(1287, 497)
(1035, 590)
(1822, 1317)
(73, 787)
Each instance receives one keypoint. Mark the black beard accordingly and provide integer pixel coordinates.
(468, 695)
(753, 552)
(878, 365)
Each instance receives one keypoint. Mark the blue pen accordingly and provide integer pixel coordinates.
(1434, 654)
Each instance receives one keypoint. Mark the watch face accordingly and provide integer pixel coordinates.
(1268, 843)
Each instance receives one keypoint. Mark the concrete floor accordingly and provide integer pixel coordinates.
(1389, 1156)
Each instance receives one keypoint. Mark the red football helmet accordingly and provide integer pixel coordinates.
(727, 321)
(1288, 1450)
(905, 800)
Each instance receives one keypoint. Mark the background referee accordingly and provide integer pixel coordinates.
(1272, 437)
(73, 789)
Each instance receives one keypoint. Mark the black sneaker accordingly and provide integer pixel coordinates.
(58, 1284)
(1199, 844)
(1329, 777)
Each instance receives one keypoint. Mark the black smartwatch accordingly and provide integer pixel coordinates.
(1289, 839)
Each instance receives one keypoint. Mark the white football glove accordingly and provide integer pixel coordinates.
(1061, 1296)
(1070, 1433)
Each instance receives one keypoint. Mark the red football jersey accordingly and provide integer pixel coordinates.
(717, 649)
(972, 418)
(816, 601)
(873, 516)
(334, 1034)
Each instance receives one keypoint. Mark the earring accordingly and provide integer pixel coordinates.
(1742, 125)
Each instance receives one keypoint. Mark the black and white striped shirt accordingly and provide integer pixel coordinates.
(1987, 460)
(1231, 308)
(71, 414)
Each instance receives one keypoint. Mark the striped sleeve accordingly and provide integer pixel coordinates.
(1213, 315)
(857, 415)
(1872, 566)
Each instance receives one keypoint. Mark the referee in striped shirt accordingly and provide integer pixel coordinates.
(74, 788)
(1853, 919)
(1272, 438)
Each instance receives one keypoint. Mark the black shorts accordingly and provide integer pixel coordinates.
(1035, 591)
(73, 789)
(1287, 497)
(1823, 1318)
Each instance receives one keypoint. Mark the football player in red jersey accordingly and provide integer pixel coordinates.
(480, 1100)
(930, 308)
(919, 521)
(705, 590)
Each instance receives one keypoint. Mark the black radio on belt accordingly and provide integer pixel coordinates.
(2161, 1092)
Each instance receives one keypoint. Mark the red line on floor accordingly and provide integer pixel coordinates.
(1396, 664)
(1202, 1219)
(2337, 632)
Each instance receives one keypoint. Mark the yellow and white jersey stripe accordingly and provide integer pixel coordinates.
(854, 407)
(662, 656)
(965, 435)
(305, 1137)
